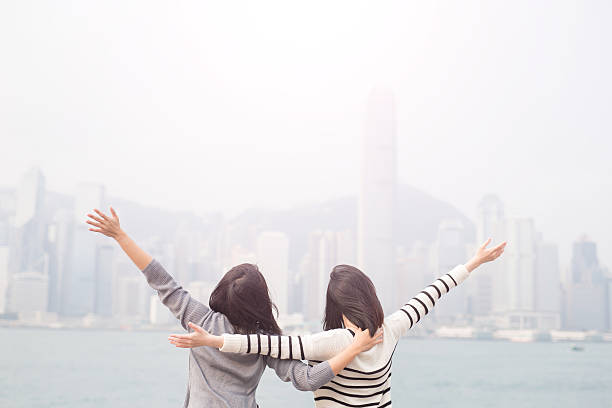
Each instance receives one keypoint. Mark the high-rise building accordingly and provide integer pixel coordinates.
(79, 296)
(28, 293)
(376, 236)
(516, 284)
(159, 314)
(326, 249)
(4, 276)
(59, 246)
(547, 278)
(132, 294)
(316, 267)
(103, 301)
(414, 271)
(450, 251)
(585, 265)
(609, 290)
(273, 262)
(548, 286)
(490, 216)
(587, 292)
(28, 254)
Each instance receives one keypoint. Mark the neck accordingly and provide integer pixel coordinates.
(348, 324)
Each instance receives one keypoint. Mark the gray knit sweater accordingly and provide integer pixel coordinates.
(219, 379)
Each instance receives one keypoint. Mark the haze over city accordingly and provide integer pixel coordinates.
(215, 111)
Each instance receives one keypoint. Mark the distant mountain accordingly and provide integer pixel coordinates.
(418, 217)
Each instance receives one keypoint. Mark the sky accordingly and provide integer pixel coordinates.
(224, 106)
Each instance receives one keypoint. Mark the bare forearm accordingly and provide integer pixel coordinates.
(341, 360)
(472, 264)
(140, 258)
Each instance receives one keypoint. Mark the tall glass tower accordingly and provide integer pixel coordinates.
(376, 236)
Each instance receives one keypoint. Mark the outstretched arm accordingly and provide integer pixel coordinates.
(177, 299)
(309, 378)
(337, 346)
(421, 304)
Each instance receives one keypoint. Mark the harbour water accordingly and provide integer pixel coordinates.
(91, 368)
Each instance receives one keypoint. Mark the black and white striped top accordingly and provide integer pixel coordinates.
(365, 382)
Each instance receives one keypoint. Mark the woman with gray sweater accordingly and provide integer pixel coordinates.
(239, 304)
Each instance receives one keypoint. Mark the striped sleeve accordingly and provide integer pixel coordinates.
(319, 346)
(424, 301)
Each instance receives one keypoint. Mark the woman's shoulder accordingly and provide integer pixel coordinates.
(336, 335)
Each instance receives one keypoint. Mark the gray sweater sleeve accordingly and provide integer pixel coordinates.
(173, 296)
(302, 376)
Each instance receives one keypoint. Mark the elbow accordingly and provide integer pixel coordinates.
(311, 386)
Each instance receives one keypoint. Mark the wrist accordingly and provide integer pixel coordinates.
(218, 341)
(472, 264)
(354, 349)
(120, 236)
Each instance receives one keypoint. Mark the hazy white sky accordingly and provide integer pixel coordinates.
(229, 105)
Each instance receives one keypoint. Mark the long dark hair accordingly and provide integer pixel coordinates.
(242, 296)
(351, 293)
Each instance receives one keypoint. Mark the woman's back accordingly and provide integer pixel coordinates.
(365, 382)
(220, 380)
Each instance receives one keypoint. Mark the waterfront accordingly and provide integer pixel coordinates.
(96, 368)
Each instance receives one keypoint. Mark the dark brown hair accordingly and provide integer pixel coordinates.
(242, 296)
(351, 293)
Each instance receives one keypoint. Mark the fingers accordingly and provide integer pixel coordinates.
(180, 340)
(197, 328)
(181, 345)
(378, 336)
(112, 210)
(96, 230)
(101, 214)
(487, 242)
(93, 217)
(95, 224)
(180, 336)
(497, 251)
(500, 246)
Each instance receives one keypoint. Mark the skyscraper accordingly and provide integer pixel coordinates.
(518, 277)
(450, 251)
(490, 216)
(28, 253)
(326, 249)
(587, 291)
(28, 293)
(273, 262)
(585, 265)
(103, 282)
(547, 279)
(4, 276)
(376, 236)
(59, 248)
(80, 294)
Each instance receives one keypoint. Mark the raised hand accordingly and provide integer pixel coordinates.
(363, 341)
(104, 224)
(198, 338)
(484, 255)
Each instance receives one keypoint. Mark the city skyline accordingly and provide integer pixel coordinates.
(523, 290)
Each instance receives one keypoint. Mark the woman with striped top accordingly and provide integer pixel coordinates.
(351, 304)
